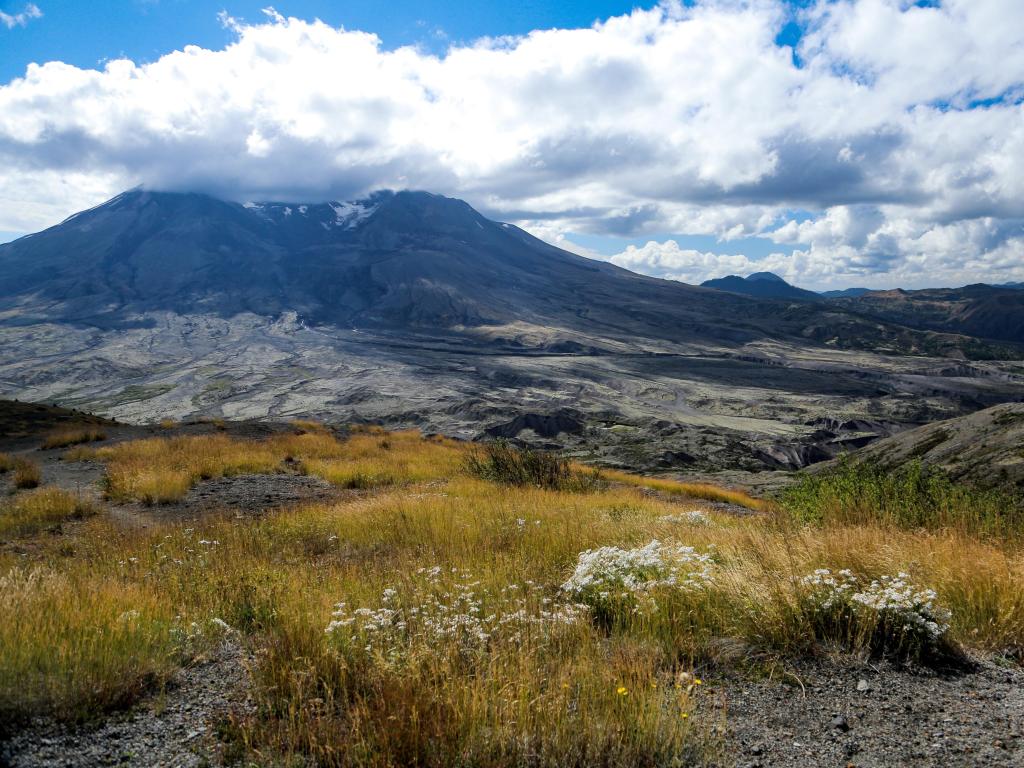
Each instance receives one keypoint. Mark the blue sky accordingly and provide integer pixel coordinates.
(88, 33)
(836, 142)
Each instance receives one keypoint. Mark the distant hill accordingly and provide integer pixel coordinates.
(764, 285)
(985, 448)
(845, 293)
(983, 311)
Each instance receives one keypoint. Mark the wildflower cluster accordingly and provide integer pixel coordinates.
(900, 605)
(611, 576)
(894, 615)
(461, 615)
(827, 591)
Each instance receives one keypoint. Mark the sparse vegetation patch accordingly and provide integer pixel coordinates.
(30, 513)
(73, 436)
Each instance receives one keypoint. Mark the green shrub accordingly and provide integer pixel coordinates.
(501, 462)
(912, 496)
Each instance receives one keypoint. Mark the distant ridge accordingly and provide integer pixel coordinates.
(763, 285)
(845, 293)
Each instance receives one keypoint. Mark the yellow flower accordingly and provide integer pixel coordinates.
(685, 715)
(622, 690)
(698, 681)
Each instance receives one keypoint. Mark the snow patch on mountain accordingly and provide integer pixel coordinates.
(351, 215)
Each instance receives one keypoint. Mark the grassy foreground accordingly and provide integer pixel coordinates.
(447, 614)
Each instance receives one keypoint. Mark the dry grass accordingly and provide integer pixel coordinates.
(162, 470)
(556, 694)
(26, 473)
(6, 463)
(167, 424)
(68, 436)
(75, 647)
(80, 453)
(692, 490)
(30, 513)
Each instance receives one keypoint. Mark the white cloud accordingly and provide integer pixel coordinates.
(677, 119)
(30, 12)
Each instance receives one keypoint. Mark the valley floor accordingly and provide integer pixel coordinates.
(646, 404)
(212, 556)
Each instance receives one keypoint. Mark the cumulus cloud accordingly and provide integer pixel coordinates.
(30, 12)
(897, 129)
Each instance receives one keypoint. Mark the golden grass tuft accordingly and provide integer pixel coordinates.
(67, 436)
(6, 463)
(30, 513)
(80, 453)
(167, 424)
(74, 648)
(704, 491)
(27, 473)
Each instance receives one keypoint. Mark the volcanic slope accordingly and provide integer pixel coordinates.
(414, 309)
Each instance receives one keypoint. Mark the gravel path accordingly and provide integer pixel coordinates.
(848, 713)
(174, 730)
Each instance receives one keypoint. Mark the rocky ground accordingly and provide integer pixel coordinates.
(175, 729)
(843, 712)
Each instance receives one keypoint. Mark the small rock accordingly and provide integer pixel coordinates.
(839, 723)
(863, 685)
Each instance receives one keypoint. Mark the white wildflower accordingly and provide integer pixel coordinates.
(628, 572)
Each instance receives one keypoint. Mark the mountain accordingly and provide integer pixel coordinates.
(393, 260)
(845, 293)
(762, 285)
(413, 310)
(1018, 286)
(982, 311)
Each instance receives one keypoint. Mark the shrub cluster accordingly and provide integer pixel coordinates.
(889, 616)
(501, 462)
(611, 579)
(912, 496)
